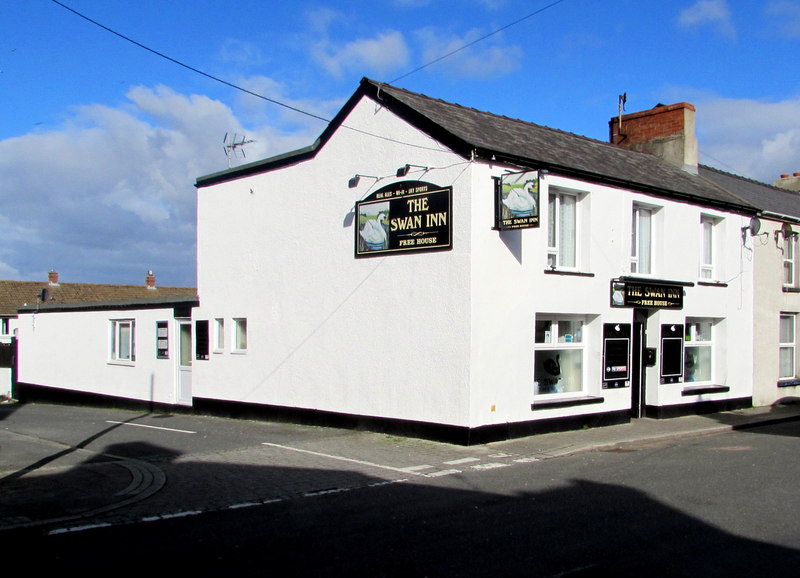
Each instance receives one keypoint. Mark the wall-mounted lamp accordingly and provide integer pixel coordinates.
(543, 173)
(353, 183)
(403, 171)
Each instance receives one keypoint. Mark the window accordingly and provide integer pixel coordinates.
(707, 247)
(240, 334)
(790, 261)
(122, 340)
(4, 326)
(201, 339)
(562, 230)
(642, 240)
(219, 334)
(558, 361)
(787, 346)
(698, 350)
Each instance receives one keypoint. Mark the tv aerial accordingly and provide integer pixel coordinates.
(235, 144)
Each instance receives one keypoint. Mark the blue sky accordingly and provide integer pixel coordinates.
(101, 140)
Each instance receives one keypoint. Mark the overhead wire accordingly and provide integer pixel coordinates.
(283, 104)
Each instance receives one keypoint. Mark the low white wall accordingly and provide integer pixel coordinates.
(70, 350)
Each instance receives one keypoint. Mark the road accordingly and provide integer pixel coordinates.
(225, 495)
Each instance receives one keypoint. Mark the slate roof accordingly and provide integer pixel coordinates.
(770, 199)
(469, 131)
(15, 295)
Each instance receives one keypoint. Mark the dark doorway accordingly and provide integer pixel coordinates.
(638, 350)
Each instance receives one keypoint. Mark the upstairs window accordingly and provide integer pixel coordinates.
(219, 334)
(562, 230)
(708, 248)
(240, 334)
(642, 229)
(789, 247)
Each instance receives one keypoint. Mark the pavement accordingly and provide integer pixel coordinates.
(47, 485)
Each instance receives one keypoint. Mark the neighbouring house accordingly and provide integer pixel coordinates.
(95, 338)
(442, 271)
(770, 243)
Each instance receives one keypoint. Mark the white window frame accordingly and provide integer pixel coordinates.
(557, 253)
(790, 257)
(122, 346)
(787, 345)
(239, 338)
(553, 342)
(709, 239)
(638, 240)
(219, 335)
(696, 341)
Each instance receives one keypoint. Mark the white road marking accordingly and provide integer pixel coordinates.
(152, 427)
(462, 461)
(492, 466)
(342, 459)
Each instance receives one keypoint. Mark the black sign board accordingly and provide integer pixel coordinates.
(616, 355)
(655, 295)
(672, 353)
(162, 340)
(517, 201)
(404, 217)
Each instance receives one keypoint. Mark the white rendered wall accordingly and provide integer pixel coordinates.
(770, 301)
(70, 350)
(385, 336)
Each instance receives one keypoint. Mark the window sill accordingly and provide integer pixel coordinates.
(569, 402)
(712, 284)
(701, 389)
(122, 363)
(567, 273)
(791, 289)
(238, 352)
(788, 382)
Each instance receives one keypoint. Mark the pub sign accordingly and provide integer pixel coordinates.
(517, 201)
(404, 217)
(655, 295)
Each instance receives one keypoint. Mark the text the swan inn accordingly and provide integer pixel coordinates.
(402, 217)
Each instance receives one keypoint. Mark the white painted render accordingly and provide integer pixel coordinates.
(442, 337)
(771, 299)
(71, 350)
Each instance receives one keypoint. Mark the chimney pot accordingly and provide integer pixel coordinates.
(150, 280)
(52, 277)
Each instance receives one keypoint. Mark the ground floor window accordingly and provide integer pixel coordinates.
(240, 334)
(219, 334)
(698, 351)
(558, 356)
(788, 345)
(122, 340)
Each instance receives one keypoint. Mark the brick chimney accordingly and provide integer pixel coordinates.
(789, 182)
(52, 278)
(150, 280)
(666, 131)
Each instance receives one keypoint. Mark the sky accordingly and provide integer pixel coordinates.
(106, 123)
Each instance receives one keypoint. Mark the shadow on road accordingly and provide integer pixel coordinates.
(321, 522)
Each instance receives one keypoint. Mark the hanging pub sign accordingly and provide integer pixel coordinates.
(655, 295)
(517, 201)
(404, 217)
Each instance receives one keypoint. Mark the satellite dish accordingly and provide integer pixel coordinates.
(786, 229)
(755, 226)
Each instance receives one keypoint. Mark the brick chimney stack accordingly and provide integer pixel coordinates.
(666, 131)
(52, 278)
(150, 280)
(789, 182)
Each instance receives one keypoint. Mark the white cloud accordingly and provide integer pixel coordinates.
(709, 12)
(111, 193)
(489, 59)
(756, 139)
(786, 17)
(379, 55)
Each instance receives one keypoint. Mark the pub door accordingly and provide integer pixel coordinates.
(638, 366)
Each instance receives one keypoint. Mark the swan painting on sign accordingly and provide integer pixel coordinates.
(373, 220)
(519, 200)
